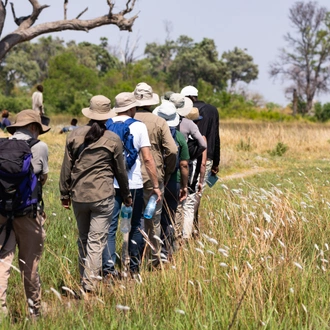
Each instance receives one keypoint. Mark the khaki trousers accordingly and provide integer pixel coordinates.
(152, 226)
(29, 235)
(93, 221)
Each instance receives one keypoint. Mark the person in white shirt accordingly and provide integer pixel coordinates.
(37, 100)
(125, 107)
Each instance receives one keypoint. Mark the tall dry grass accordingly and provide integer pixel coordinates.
(261, 259)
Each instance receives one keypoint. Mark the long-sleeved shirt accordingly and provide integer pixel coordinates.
(163, 147)
(87, 175)
(37, 102)
(209, 127)
(188, 127)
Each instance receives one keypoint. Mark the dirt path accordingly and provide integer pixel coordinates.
(245, 173)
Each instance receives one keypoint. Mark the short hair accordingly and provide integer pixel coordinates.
(5, 114)
(74, 121)
(40, 88)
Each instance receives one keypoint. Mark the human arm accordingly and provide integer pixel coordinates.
(202, 170)
(169, 151)
(184, 171)
(216, 154)
(65, 177)
(151, 170)
(120, 172)
(196, 134)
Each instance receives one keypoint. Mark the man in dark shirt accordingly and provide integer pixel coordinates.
(208, 127)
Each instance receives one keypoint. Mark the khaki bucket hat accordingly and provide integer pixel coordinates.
(125, 101)
(144, 94)
(26, 117)
(99, 108)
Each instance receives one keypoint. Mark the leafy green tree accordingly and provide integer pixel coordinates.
(68, 80)
(93, 56)
(194, 61)
(305, 61)
(240, 66)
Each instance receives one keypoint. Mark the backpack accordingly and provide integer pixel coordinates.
(121, 128)
(19, 188)
(173, 132)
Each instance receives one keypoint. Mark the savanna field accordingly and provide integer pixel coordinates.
(261, 260)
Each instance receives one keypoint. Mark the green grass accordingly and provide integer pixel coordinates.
(261, 261)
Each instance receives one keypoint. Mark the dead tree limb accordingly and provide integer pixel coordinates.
(84, 11)
(3, 13)
(65, 7)
(27, 30)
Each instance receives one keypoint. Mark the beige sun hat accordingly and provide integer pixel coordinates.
(26, 117)
(194, 115)
(99, 108)
(125, 101)
(168, 112)
(144, 94)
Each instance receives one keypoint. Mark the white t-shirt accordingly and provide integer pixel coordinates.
(141, 139)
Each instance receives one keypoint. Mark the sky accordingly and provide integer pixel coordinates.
(257, 25)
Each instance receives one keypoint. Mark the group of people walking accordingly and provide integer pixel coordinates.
(178, 147)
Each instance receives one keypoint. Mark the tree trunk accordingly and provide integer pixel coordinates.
(294, 103)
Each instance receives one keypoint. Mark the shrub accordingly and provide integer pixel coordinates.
(279, 150)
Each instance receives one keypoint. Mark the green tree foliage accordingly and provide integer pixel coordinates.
(185, 62)
(240, 66)
(28, 63)
(68, 81)
(305, 61)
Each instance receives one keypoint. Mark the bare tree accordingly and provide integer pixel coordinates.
(305, 61)
(27, 31)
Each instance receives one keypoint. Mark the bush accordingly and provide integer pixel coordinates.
(279, 150)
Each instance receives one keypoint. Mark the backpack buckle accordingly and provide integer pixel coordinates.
(9, 205)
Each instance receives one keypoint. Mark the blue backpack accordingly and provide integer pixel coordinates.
(121, 128)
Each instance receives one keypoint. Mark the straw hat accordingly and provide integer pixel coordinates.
(26, 117)
(99, 108)
(144, 94)
(194, 115)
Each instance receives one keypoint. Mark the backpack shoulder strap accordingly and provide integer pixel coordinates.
(130, 121)
(31, 142)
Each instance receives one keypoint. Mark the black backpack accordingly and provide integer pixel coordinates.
(20, 190)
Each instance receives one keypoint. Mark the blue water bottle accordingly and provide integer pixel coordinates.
(125, 222)
(151, 206)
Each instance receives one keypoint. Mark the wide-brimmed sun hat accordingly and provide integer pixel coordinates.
(26, 117)
(187, 106)
(167, 111)
(144, 94)
(189, 91)
(194, 115)
(125, 101)
(99, 108)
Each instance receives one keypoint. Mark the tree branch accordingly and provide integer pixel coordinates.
(65, 8)
(24, 33)
(84, 11)
(2, 14)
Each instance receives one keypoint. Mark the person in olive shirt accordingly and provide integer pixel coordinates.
(164, 150)
(93, 156)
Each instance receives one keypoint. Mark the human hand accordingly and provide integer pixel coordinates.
(158, 192)
(214, 170)
(183, 194)
(66, 203)
(128, 201)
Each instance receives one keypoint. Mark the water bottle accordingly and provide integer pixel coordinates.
(151, 206)
(125, 222)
